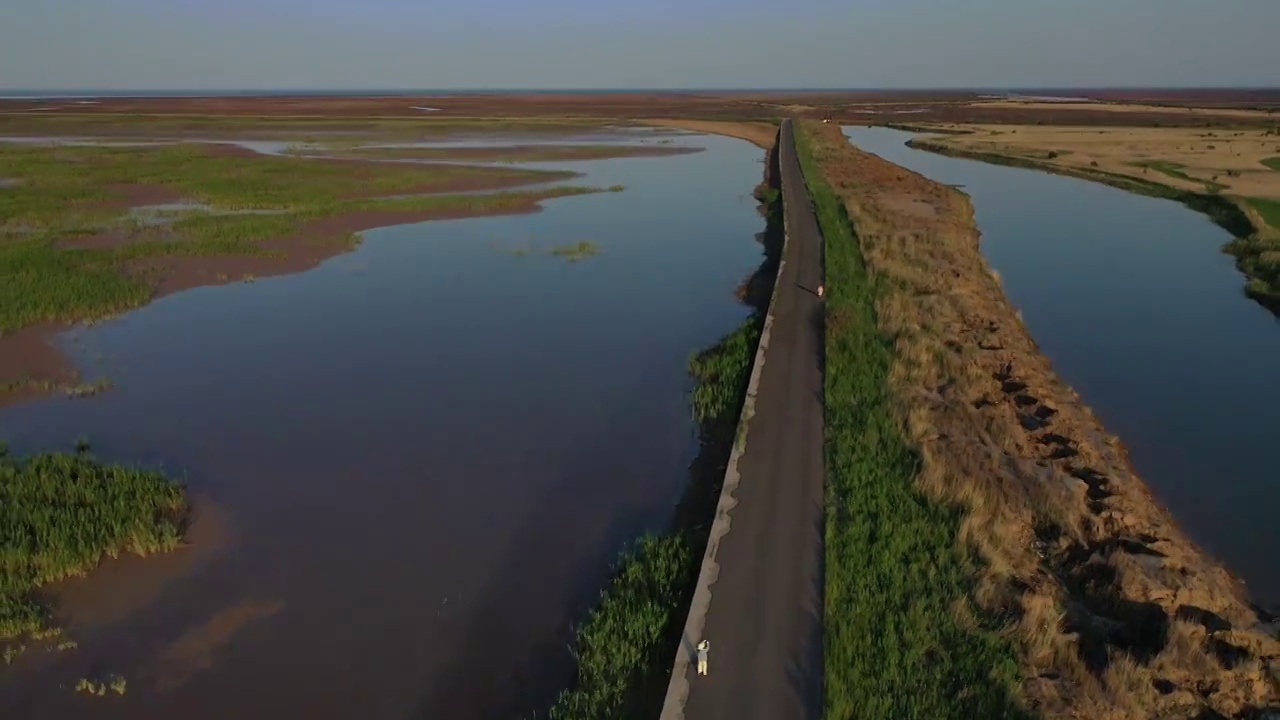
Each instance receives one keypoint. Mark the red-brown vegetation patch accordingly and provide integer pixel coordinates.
(519, 153)
(311, 244)
(761, 134)
(123, 196)
(30, 365)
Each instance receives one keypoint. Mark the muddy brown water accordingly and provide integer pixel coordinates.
(413, 465)
(1142, 313)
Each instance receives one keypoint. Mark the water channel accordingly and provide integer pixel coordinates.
(1142, 313)
(413, 466)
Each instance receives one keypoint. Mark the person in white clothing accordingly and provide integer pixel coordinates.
(703, 648)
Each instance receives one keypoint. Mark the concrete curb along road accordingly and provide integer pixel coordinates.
(678, 690)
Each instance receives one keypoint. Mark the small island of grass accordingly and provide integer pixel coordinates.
(61, 515)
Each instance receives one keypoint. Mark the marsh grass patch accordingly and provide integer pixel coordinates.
(62, 514)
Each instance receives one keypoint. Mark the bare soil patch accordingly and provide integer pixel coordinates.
(129, 195)
(30, 366)
(1116, 613)
(516, 153)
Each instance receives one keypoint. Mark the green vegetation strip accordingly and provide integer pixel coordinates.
(1269, 210)
(621, 643)
(65, 194)
(1175, 170)
(1258, 256)
(61, 514)
(624, 647)
(896, 579)
(1272, 163)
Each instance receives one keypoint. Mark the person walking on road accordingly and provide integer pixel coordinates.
(704, 647)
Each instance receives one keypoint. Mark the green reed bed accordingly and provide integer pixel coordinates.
(62, 514)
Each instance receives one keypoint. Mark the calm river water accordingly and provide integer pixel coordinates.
(413, 465)
(1141, 312)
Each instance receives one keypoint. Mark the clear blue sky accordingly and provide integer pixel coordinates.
(260, 44)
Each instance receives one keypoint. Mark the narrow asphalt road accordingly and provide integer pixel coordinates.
(764, 620)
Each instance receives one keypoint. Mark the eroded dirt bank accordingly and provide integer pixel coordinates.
(1115, 613)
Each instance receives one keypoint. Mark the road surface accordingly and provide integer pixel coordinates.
(764, 616)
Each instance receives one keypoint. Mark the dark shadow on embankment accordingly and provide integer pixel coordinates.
(644, 683)
(805, 669)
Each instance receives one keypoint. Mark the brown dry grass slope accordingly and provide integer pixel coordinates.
(1232, 162)
(1114, 612)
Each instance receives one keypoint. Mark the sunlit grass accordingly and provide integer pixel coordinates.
(895, 575)
(62, 514)
(99, 687)
(1176, 170)
(722, 372)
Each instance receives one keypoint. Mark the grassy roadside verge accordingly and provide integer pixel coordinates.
(1083, 586)
(901, 640)
(1254, 223)
(625, 645)
(61, 515)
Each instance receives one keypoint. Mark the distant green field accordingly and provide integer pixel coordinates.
(1273, 163)
(57, 195)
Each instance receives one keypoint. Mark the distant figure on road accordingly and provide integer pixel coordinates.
(703, 648)
(820, 289)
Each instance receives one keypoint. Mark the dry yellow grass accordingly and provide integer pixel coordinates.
(1115, 613)
(761, 134)
(1231, 162)
(1122, 108)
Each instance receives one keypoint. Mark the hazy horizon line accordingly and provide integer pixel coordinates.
(200, 92)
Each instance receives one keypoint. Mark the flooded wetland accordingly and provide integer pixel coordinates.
(418, 407)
